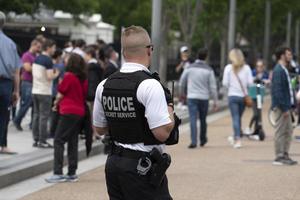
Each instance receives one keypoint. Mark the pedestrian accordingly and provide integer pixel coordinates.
(79, 47)
(185, 61)
(200, 81)
(43, 75)
(111, 66)
(10, 64)
(70, 103)
(58, 63)
(95, 73)
(260, 76)
(282, 102)
(133, 107)
(237, 78)
(26, 83)
(94, 76)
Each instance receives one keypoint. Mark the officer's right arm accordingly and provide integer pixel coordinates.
(159, 115)
(99, 120)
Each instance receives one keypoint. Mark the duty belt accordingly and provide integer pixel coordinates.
(128, 153)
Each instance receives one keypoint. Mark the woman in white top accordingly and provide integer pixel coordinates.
(237, 78)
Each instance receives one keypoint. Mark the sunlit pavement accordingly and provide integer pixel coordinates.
(215, 172)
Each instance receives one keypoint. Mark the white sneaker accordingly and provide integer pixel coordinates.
(254, 137)
(237, 145)
(247, 131)
(230, 140)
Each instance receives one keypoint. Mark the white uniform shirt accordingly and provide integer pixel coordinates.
(231, 82)
(150, 94)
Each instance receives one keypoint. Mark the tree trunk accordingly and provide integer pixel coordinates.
(223, 55)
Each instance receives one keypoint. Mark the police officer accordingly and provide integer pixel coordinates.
(131, 107)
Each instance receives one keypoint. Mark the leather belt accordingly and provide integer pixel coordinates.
(128, 153)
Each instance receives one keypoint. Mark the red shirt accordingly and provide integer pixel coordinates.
(74, 92)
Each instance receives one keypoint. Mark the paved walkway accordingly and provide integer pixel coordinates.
(216, 172)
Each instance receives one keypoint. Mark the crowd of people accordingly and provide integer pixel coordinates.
(197, 84)
(58, 85)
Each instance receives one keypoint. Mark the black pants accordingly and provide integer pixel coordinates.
(54, 120)
(67, 131)
(123, 182)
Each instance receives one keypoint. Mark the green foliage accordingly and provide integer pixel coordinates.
(125, 13)
(30, 6)
(19, 6)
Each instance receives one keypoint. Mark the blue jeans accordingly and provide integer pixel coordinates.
(198, 107)
(6, 87)
(26, 101)
(237, 107)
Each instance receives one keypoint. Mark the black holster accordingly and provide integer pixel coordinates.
(160, 164)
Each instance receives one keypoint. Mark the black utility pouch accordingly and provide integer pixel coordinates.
(160, 164)
(174, 135)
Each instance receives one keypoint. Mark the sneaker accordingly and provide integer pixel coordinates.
(203, 143)
(237, 145)
(230, 140)
(247, 131)
(192, 146)
(278, 161)
(287, 157)
(35, 144)
(18, 126)
(44, 145)
(254, 137)
(284, 161)
(72, 178)
(56, 179)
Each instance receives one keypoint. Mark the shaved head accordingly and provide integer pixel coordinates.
(134, 41)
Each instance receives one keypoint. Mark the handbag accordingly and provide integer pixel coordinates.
(247, 99)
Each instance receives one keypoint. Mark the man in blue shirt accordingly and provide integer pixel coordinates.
(282, 101)
(10, 64)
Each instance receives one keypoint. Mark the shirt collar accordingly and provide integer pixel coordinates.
(199, 61)
(93, 60)
(129, 67)
(283, 67)
(114, 63)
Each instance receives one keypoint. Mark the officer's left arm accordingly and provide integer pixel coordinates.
(159, 115)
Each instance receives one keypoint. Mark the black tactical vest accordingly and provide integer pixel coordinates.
(125, 115)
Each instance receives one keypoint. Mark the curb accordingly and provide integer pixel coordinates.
(28, 166)
(33, 164)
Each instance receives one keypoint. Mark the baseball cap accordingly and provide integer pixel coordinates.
(183, 49)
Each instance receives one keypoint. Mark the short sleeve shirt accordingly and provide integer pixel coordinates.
(150, 94)
(41, 84)
(74, 94)
(27, 57)
(9, 58)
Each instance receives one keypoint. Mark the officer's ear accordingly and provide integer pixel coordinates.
(149, 52)
(123, 53)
